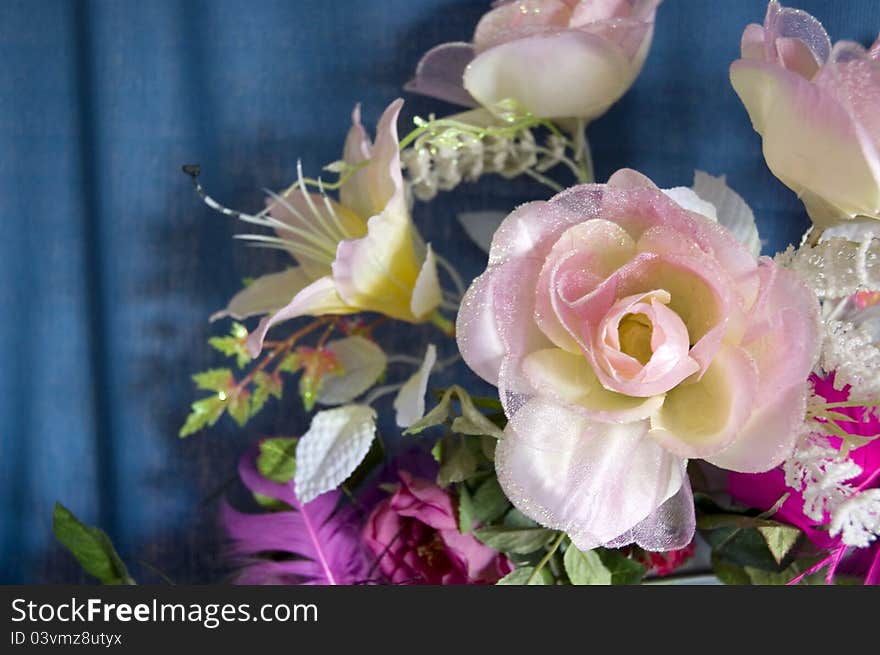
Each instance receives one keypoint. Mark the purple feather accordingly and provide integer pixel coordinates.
(319, 542)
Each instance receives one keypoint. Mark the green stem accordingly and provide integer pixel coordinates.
(543, 179)
(553, 547)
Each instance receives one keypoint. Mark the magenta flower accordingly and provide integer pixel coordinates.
(628, 334)
(414, 535)
(763, 490)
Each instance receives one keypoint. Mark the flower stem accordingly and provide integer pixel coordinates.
(582, 153)
(553, 548)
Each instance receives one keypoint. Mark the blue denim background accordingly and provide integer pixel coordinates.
(110, 266)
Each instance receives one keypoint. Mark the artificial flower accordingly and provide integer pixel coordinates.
(414, 535)
(555, 58)
(666, 563)
(628, 334)
(822, 485)
(362, 253)
(816, 108)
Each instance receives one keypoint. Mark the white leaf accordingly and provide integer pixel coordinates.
(337, 441)
(732, 211)
(410, 401)
(362, 363)
(688, 199)
(427, 293)
(481, 226)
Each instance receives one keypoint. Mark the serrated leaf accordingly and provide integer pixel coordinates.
(585, 567)
(290, 364)
(90, 546)
(216, 379)
(204, 412)
(780, 539)
(265, 386)
(489, 501)
(239, 407)
(522, 575)
(409, 404)
(515, 540)
(277, 459)
(232, 346)
(362, 363)
(336, 442)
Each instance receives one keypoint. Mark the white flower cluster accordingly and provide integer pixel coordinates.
(851, 352)
(822, 474)
(440, 161)
(836, 267)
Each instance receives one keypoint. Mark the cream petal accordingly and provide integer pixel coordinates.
(596, 481)
(810, 141)
(568, 74)
(357, 149)
(701, 418)
(569, 378)
(319, 298)
(266, 294)
(769, 436)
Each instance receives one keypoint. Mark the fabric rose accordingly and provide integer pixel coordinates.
(362, 253)
(817, 108)
(414, 534)
(555, 58)
(626, 335)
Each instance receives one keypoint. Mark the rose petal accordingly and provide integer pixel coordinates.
(702, 418)
(769, 436)
(440, 71)
(265, 294)
(476, 330)
(519, 20)
(569, 378)
(810, 141)
(596, 481)
(569, 74)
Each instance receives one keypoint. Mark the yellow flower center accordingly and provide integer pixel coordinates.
(634, 332)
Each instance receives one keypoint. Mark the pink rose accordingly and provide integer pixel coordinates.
(626, 335)
(415, 536)
(817, 108)
(556, 58)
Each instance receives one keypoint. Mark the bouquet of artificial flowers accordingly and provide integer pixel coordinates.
(661, 387)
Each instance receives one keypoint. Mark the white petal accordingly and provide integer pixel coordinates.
(410, 401)
(733, 212)
(266, 294)
(362, 363)
(427, 293)
(688, 199)
(596, 481)
(337, 441)
(481, 226)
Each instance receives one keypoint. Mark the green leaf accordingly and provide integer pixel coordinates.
(290, 364)
(239, 407)
(90, 546)
(458, 462)
(728, 573)
(521, 577)
(465, 510)
(265, 386)
(216, 379)
(437, 416)
(585, 567)
(277, 459)
(515, 540)
(205, 412)
(489, 501)
(624, 571)
(780, 539)
(715, 521)
(233, 345)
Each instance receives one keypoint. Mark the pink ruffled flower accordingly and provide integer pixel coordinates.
(415, 537)
(627, 335)
(663, 564)
(556, 58)
(816, 107)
